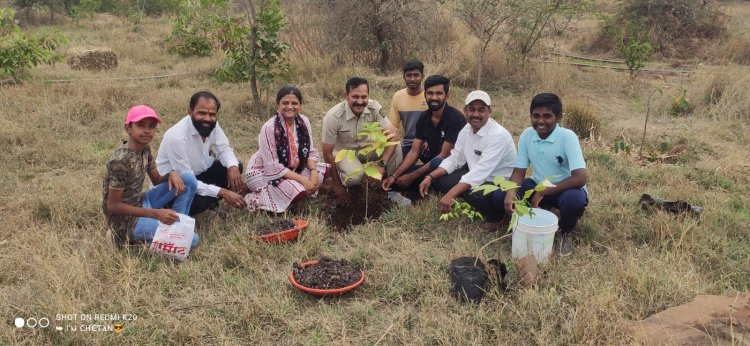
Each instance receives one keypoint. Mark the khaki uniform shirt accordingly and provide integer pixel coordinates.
(340, 125)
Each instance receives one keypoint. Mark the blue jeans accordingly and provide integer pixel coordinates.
(571, 203)
(156, 198)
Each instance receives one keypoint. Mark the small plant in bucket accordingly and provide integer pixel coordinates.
(522, 206)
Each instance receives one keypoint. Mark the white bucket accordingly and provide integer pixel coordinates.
(534, 235)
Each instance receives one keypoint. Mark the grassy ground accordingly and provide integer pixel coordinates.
(55, 138)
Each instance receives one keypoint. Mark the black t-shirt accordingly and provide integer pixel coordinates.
(433, 136)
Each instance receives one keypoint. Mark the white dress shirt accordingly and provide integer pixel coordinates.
(489, 153)
(183, 150)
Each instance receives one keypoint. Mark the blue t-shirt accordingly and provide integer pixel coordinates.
(558, 154)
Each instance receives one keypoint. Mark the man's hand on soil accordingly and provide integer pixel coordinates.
(445, 204)
(234, 199)
(387, 183)
(342, 196)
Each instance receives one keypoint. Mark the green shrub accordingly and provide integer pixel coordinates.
(582, 119)
(674, 27)
(632, 41)
(20, 51)
(681, 105)
(195, 27)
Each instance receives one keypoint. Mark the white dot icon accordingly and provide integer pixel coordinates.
(19, 322)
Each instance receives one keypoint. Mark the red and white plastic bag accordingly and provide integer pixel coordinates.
(174, 240)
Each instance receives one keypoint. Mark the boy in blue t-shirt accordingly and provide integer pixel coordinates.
(552, 151)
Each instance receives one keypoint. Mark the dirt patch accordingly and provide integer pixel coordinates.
(707, 320)
(275, 227)
(358, 212)
(327, 274)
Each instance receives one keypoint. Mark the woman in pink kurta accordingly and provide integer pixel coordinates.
(287, 166)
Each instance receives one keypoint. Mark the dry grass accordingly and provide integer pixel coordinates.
(55, 138)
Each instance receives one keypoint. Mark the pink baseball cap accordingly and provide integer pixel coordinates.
(141, 112)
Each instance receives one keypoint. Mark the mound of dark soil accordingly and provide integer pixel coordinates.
(358, 212)
(275, 227)
(327, 274)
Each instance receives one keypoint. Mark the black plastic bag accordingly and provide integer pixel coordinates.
(470, 278)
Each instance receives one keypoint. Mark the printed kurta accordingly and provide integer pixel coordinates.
(264, 168)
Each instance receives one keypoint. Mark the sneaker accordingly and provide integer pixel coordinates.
(398, 199)
(565, 244)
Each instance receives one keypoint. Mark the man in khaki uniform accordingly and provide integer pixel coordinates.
(340, 127)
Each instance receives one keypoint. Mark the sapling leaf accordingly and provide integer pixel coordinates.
(379, 151)
(527, 194)
(351, 156)
(513, 221)
(354, 172)
(522, 208)
(486, 189)
(379, 137)
(544, 184)
(498, 180)
(508, 185)
(392, 143)
(370, 170)
(341, 154)
(444, 217)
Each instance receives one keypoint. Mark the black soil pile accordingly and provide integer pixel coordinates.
(275, 227)
(327, 274)
(358, 212)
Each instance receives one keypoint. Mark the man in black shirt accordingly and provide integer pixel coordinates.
(436, 133)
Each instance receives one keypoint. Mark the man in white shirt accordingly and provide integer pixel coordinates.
(484, 150)
(188, 146)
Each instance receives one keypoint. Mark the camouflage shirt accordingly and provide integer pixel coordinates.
(126, 170)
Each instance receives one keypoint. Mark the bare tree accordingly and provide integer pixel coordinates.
(381, 24)
(537, 19)
(487, 20)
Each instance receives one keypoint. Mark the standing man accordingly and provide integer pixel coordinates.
(487, 148)
(434, 137)
(341, 126)
(408, 104)
(190, 146)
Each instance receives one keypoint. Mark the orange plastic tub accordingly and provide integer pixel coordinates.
(319, 292)
(284, 236)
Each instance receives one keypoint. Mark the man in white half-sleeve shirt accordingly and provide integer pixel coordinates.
(193, 146)
(484, 150)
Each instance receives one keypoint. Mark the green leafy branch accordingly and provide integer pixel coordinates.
(20, 51)
(522, 206)
(461, 208)
(379, 140)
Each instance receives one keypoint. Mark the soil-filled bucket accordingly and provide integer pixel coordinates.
(534, 235)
